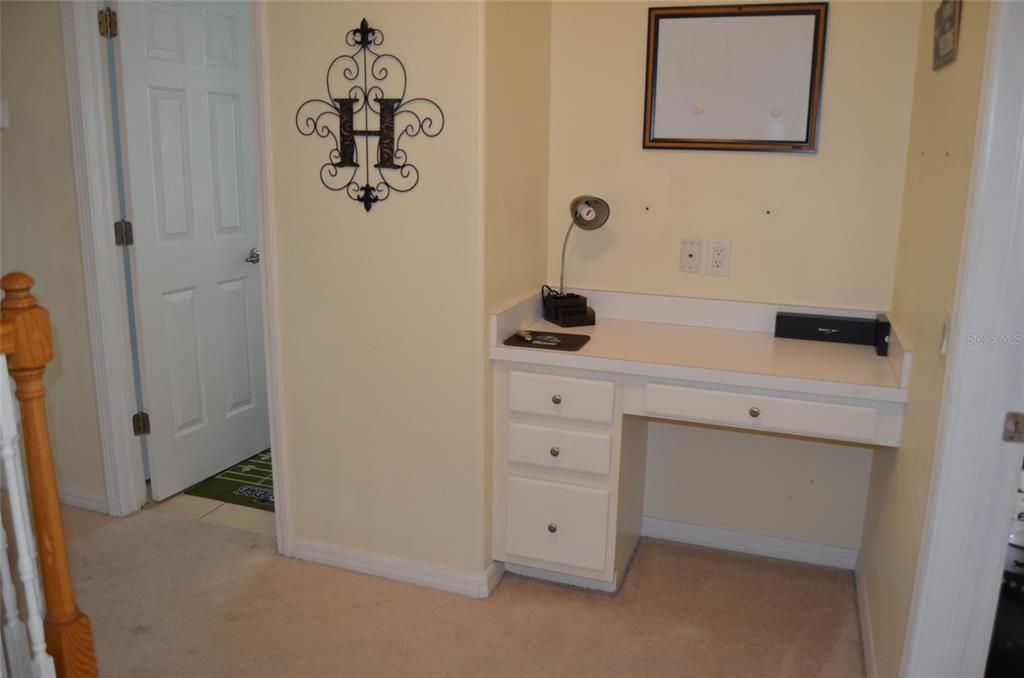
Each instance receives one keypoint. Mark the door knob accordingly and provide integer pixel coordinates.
(254, 256)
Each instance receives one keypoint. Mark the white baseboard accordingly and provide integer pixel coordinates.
(83, 500)
(761, 545)
(495, 571)
(559, 578)
(867, 637)
(474, 585)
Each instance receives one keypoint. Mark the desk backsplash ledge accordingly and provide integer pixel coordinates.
(718, 313)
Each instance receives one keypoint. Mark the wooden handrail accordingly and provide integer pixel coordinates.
(68, 631)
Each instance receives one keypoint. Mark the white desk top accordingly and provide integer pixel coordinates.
(734, 357)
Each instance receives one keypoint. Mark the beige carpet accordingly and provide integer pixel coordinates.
(169, 596)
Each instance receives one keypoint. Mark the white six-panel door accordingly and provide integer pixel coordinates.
(191, 185)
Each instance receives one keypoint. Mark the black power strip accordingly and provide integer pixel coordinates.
(835, 328)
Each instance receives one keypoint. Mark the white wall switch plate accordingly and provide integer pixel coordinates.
(719, 257)
(689, 256)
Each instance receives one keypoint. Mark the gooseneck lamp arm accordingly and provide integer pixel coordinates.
(561, 279)
(589, 213)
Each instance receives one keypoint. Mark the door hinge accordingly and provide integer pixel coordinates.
(1013, 429)
(108, 23)
(124, 235)
(140, 423)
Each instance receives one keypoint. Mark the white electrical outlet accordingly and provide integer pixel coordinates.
(689, 256)
(719, 257)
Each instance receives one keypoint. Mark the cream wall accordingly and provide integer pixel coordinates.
(777, 486)
(942, 138)
(830, 239)
(382, 313)
(39, 229)
(516, 99)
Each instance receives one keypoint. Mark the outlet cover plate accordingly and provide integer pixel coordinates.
(689, 256)
(719, 257)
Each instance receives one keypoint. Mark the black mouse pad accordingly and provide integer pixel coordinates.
(555, 340)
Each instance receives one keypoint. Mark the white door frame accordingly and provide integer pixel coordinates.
(972, 492)
(95, 186)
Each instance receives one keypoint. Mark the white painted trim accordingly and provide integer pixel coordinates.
(472, 584)
(960, 564)
(732, 315)
(867, 635)
(562, 578)
(103, 273)
(757, 544)
(524, 313)
(495, 571)
(900, 359)
(84, 500)
(693, 311)
(72, 496)
(271, 294)
(96, 190)
(818, 387)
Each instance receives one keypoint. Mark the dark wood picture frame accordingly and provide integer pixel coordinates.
(947, 33)
(808, 144)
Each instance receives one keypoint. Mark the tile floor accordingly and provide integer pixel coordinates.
(218, 513)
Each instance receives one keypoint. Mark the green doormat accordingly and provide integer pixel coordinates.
(250, 483)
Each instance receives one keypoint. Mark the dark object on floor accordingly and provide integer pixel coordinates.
(556, 340)
(250, 483)
(1006, 653)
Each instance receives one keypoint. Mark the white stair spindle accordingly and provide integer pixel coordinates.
(20, 477)
(15, 637)
(3, 660)
(41, 664)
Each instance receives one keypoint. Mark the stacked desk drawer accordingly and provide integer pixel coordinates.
(548, 519)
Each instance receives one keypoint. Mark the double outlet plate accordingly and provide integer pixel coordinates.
(719, 257)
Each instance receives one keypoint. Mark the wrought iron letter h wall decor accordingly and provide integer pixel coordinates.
(369, 85)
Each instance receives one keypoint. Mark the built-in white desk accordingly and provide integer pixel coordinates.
(570, 427)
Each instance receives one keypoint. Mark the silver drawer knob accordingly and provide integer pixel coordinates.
(755, 412)
(556, 399)
(555, 451)
(552, 527)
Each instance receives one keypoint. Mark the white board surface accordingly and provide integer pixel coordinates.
(733, 78)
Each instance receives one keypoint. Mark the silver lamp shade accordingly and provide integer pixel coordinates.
(589, 213)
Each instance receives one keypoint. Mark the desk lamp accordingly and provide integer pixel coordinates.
(570, 310)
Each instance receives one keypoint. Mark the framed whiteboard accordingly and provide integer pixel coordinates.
(735, 77)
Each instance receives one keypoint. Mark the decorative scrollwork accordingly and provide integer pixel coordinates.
(366, 88)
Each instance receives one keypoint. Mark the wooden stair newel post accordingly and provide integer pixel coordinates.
(68, 631)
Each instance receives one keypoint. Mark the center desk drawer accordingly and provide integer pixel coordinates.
(559, 448)
(801, 417)
(558, 523)
(563, 397)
